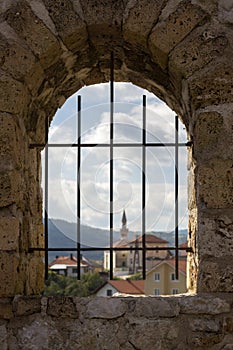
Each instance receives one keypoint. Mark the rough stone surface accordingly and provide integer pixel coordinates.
(9, 234)
(58, 325)
(105, 308)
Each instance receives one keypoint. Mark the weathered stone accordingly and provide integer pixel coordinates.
(207, 132)
(215, 232)
(205, 325)
(106, 308)
(32, 29)
(168, 33)
(228, 324)
(6, 308)
(16, 59)
(215, 274)
(205, 339)
(225, 11)
(9, 263)
(193, 54)
(215, 183)
(69, 24)
(62, 307)
(215, 88)
(13, 94)
(203, 305)
(155, 307)
(35, 278)
(137, 24)
(23, 306)
(9, 233)
(155, 334)
(3, 338)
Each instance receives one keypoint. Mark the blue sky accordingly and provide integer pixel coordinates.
(127, 161)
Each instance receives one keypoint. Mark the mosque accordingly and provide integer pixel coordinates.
(130, 262)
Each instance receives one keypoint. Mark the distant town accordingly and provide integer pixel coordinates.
(127, 265)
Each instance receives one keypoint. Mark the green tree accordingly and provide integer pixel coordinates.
(70, 286)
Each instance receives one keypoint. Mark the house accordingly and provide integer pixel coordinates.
(135, 257)
(67, 265)
(161, 279)
(129, 261)
(127, 287)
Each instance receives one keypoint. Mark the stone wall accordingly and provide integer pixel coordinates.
(182, 51)
(179, 50)
(181, 322)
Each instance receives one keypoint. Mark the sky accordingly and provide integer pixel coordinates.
(95, 117)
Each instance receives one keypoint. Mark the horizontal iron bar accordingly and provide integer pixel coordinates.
(148, 144)
(188, 249)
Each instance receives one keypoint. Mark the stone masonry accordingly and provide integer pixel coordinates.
(181, 50)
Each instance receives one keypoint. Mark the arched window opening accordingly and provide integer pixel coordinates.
(132, 162)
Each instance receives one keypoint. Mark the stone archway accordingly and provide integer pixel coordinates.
(180, 50)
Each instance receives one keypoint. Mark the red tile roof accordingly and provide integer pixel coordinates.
(182, 264)
(149, 239)
(70, 261)
(184, 245)
(128, 286)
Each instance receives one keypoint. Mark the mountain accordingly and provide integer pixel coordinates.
(63, 234)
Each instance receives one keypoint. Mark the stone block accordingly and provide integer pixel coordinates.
(69, 24)
(205, 325)
(214, 234)
(9, 233)
(156, 334)
(23, 306)
(201, 47)
(9, 263)
(17, 59)
(139, 19)
(62, 307)
(204, 340)
(6, 308)
(104, 20)
(107, 308)
(155, 307)
(207, 131)
(35, 278)
(168, 33)
(200, 305)
(14, 96)
(31, 29)
(215, 183)
(3, 337)
(215, 275)
(216, 88)
(9, 188)
(228, 324)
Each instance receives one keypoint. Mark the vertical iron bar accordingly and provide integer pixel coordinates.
(46, 229)
(78, 190)
(176, 197)
(144, 190)
(111, 160)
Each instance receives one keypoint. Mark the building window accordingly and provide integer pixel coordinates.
(173, 277)
(157, 276)
(109, 292)
(74, 270)
(175, 291)
(157, 291)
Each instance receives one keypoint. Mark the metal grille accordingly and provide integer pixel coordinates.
(111, 146)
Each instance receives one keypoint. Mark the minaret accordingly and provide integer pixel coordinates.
(124, 230)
